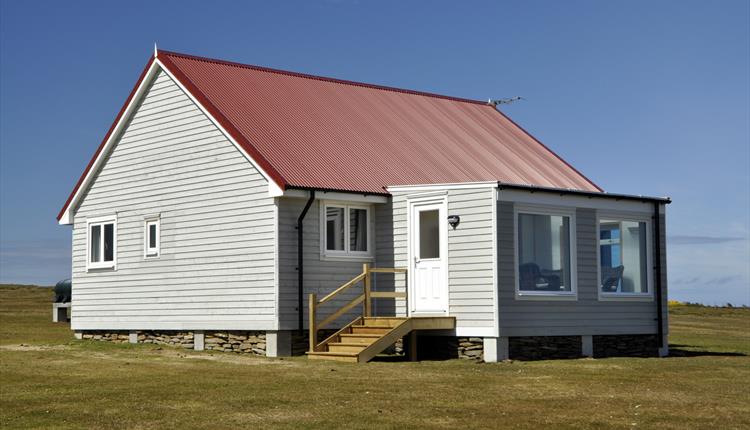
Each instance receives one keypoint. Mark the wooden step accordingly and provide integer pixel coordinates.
(382, 321)
(346, 347)
(349, 357)
(362, 338)
(359, 329)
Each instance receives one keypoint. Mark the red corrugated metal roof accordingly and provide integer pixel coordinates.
(328, 133)
(315, 132)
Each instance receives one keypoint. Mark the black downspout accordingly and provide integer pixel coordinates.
(657, 269)
(300, 275)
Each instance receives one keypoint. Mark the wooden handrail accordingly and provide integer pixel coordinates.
(342, 288)
(365, 298)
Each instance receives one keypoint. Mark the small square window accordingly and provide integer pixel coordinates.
(152, 241)
(101, 244)
(345, 230)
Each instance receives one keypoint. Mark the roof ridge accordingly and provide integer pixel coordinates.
(323, 78)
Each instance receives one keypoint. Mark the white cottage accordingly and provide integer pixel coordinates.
(240, 208)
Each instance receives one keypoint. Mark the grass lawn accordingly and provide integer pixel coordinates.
(50, 380)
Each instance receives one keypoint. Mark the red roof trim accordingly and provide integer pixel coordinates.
(106, 137)
(228, 126)
(550, 151)
(321, 78)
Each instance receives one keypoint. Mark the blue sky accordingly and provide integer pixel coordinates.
(643, 97)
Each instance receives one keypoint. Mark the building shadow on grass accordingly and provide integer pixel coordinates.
(677, 350)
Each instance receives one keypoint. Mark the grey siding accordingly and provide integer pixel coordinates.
(471, 290)
(585, 316)
(320, 277)
(216, 269)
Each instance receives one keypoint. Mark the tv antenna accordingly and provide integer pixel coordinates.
(507, 101)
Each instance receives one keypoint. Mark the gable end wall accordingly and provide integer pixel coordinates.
(218, 225)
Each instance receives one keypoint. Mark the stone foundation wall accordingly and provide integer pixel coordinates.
(171, 338)
(637, 345)
(248, 342)
(111, 336)
(544, 347)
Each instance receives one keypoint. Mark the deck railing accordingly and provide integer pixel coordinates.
(365, 298)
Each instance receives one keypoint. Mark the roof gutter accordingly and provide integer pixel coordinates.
(334, 190)
(589, 194)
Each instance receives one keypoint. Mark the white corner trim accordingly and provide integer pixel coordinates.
(495, 279)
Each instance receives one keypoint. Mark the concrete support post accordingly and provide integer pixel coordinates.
(587, 345)
(133, 336)
(78, 335)
(279, 343)
(199, 341)
(496, 349)
(664, 350)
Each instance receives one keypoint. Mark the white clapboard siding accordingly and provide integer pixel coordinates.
(320, 276)
(217, 264)
(471, 288)
(585, 316)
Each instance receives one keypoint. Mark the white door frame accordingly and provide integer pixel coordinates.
(440, 199)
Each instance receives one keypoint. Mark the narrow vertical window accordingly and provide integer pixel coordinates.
(358, 230)
(152, 238)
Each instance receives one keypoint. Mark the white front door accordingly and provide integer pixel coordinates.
(428, 236)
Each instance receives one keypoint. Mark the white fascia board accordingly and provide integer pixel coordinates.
(433, 187)
(575, 201)
(67, 217)
(337, 196)
(274, 189)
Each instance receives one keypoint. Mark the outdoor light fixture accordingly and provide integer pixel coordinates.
(453, 220)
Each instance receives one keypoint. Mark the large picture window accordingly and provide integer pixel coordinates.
(544, 254)
(345, 230)
(101, 243)
(623, 257)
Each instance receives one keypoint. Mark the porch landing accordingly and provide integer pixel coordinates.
(365, 337)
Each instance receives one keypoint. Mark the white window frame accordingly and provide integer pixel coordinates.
(620, 217)
(101, 221)
(550, 211)
(148, 252)
(346, 254)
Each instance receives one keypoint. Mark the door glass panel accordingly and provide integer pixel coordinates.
(429, 234)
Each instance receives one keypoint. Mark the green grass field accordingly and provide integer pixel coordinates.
(50, 380)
